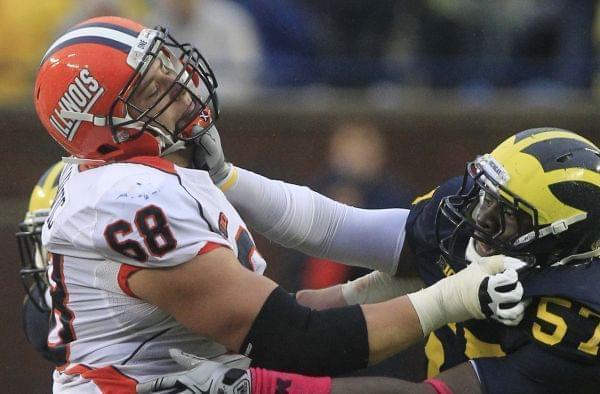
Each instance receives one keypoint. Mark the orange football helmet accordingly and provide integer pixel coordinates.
(84, 88)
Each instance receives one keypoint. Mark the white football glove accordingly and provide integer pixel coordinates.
(208, 154)
(226, 374)
(501, 298)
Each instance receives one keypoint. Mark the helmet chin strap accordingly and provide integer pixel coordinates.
(98, 120)
(164, 139)
(553, 228)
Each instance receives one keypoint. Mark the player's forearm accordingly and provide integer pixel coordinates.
(299, 218)
(378, 286)
(392, 327)
(368, 289)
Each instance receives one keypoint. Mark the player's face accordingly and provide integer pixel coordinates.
(158, 80)
(497, 218)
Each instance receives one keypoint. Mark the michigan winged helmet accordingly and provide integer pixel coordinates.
(550, 179)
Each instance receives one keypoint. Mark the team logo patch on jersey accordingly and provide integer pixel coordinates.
(223, 222)
(80, 96)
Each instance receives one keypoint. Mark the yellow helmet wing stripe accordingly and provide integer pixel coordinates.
(528, 175)
(44, 192)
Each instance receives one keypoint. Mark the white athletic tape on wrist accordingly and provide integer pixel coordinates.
(455, 298)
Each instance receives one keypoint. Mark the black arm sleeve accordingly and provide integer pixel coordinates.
(533, 370)
(289, 337)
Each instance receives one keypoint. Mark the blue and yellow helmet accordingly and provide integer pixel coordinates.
(34, 260)
(550, 177)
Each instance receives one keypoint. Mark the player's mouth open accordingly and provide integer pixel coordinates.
(484, 249)
(190, 113)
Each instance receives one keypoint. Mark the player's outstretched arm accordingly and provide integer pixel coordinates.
(500, 295)
(297, 217)
(208, 376)
(371, 288)
(216, 297)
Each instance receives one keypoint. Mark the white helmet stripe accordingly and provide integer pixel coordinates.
(101, 33)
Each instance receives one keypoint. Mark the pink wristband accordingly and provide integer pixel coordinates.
(265, 381)
(439, 386)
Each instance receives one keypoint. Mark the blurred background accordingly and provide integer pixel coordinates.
(371, 102)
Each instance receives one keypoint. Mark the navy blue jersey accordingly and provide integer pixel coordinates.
(562, 324)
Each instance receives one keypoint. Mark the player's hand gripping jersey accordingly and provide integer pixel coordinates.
(106, 223)
(555, 347)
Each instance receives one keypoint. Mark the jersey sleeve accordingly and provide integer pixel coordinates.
(533, 370)
(152, 221)
(421, 222)
(421, 235)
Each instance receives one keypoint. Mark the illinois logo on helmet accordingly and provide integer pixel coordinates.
(91, 91)
(549, 178)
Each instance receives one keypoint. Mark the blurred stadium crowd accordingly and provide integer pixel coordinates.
(473, 45)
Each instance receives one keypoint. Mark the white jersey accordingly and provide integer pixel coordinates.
(106, 223)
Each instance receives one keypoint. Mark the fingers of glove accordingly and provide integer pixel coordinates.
(513, 313)
(186, 360)
(505, 291)
(504, 279)
(511, 316)
(505, 299)
(158, 384)
(508, 322)
(211, 141)
(199, 157)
